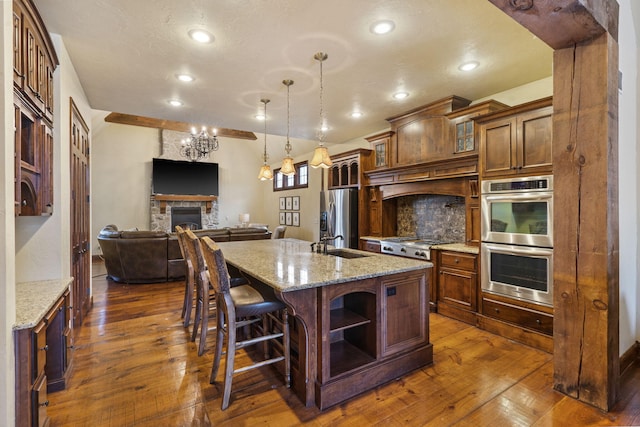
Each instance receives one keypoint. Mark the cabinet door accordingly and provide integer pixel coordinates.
(498, 146)
(18, 71)
(40, 402)
(458, 287)
(535, 136)
(423, 140)
(404, 312)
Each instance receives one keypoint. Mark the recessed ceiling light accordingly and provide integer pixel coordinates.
(382, 27)
(468, 66)
(201, 36)
(356, 114)
(400, 95)
(185, 77)
(175, 103)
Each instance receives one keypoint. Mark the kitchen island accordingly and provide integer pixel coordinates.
(361, 319)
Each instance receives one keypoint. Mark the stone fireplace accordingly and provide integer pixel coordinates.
(162, 206)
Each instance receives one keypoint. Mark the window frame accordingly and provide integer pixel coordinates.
(285, 181)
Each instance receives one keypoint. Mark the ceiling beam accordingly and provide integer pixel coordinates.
(129, 119)
(563, 23)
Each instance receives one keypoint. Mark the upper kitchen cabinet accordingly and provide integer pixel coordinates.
(380, 147)
(422, 135)
(347, 169)
(517, 140)
(462, 132)
(34, 62)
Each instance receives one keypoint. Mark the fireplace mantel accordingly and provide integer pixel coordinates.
(164, 198)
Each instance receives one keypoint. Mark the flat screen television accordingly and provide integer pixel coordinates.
(183, 177)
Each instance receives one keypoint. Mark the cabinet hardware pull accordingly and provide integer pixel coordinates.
(45, 348)
(538, 321)
(457, 260)
(497, 310)
(45, 403)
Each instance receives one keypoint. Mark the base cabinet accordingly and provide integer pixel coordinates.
(42, 363)
(457, 285)
(370, 332)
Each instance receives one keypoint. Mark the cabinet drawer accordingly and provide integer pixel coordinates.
(458, 260)
(39, 350)
(40, 402)
(521, 316)
(371, 246)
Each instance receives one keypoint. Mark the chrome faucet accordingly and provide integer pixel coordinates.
(324, 239)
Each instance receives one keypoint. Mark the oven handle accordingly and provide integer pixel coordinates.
(532, 196)
(517, 250)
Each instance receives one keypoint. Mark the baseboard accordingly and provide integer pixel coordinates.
(630, 357)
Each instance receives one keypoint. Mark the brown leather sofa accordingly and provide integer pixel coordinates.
(154, 256)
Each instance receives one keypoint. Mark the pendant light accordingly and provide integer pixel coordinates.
(287, 169)
(321, 157)
(265, 171)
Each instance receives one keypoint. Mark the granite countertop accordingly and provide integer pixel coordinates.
(456, 247)
(35, 299)
(289, 265)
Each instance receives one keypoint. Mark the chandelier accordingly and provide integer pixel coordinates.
(199, 145)
(321, 157)
(288, 168)
(265, 171)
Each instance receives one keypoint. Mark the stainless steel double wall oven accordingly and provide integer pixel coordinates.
(517, 238)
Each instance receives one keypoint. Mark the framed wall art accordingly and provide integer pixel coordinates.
(288, 218)
(288, 203)
(282, 218)
(296, 203)
(282, 203)
(296, 219)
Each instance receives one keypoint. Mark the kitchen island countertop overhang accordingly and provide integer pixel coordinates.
(290, 265)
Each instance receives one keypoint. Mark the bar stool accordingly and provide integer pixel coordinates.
(205, 300)
(189, 280)
(240, 306)
(278, 232)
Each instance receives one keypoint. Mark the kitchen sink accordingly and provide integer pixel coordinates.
(345, 254)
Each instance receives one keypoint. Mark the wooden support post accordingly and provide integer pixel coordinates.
(585, 154)
(585, 163)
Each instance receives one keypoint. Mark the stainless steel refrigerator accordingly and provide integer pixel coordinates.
(339, 216)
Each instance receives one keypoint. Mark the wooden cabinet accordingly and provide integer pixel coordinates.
(422, 135)
(370, 331)
(380, 147)
(458, 285)
(42, 363)
(462, 132)
(370, 245)
(348, 169)
(35, 61)
(382, 214)
(528, 323)
(517, 140)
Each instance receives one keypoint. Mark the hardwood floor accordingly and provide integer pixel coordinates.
(135, 366)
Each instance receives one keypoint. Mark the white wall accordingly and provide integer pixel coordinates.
(628, 177)
(7, 252)
(121, 177)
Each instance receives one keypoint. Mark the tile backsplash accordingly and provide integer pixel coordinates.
(432, 217)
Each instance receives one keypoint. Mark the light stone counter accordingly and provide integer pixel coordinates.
(457, 247)
(35, 299)
(289, 265)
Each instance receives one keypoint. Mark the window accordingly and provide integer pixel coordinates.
(299, 180)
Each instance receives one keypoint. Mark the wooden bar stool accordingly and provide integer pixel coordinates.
(189, 279)
(205, 300)
(240, 306)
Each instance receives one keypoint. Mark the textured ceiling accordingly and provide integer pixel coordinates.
(127, 53)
